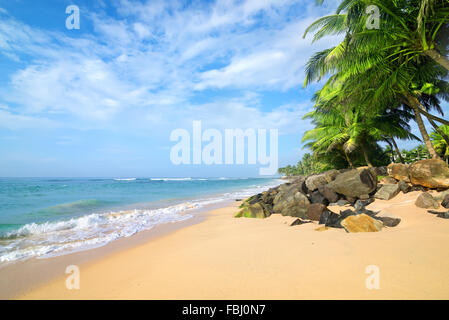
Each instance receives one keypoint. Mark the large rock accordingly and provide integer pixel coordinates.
(354, 183)
(315, 181)
(426, 201)
(387, 192)
(291, 202)
(404, 186)
(252, 211)
(361, 223)
(431, 173)
(328, 193)
(399, 171)
(317, 197)
(315, 210)
(441, 195)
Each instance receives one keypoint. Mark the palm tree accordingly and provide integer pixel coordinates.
(376, 72)
(441, 145)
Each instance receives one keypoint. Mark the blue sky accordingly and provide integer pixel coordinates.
(102, 100)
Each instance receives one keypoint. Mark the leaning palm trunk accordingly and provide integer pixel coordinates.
(439, 131)
(397, 150)
(365, 154)
(348, 159)
(414, 104)
(438, 58)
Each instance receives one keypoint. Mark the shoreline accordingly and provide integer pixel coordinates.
(221, 257)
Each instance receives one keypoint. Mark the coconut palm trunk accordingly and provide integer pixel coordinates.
(397, 150)
(365, 154)
(414, 103)
(348, 159)
(438, 58)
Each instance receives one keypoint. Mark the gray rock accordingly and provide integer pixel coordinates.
(426, 201)
(388, 219)
(342, 202)
(317, 197)
(404, 186)
(331, 219)
(387, 192)
(354, 183)
(328, 193)
(315, 181)
(299, 222)
(445, 202)
(441, 195)
(291, 202)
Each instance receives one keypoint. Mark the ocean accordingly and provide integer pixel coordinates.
(45, 217)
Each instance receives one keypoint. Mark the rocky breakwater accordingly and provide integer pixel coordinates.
(309, 198)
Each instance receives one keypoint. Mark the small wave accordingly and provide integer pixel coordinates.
(171, 179)
(125, 179)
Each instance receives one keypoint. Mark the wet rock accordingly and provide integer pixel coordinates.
(426, 201)
(299, 222)
(330, 219)
(361, 223)
(399, 171)
(354, 183)
(387, 192)
(315, 210)
(444, 215)
(431, 173)
(388, 219)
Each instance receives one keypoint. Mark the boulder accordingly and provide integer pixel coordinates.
(361, 223)
(426, 201)
(354, 183)
(388, 219)
(404, 186)
(291, 202)
(431, 173)
(315, 181)
(381, 171)
(445, 202)
(299, 222)
(441, 195)
(387, 192)
(388, 180)
(330, 219)
(328, 193)
(252, 211)
(317, 197)
(315, 210)
(399, 171)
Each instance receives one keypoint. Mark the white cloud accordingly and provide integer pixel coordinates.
(155, 57)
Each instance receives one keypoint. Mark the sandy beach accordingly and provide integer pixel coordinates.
(221, 257)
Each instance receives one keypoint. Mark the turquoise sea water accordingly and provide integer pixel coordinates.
(41, 217)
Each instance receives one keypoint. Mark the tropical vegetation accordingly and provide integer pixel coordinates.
(391, 68)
